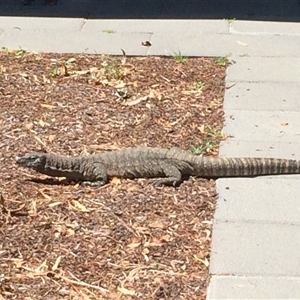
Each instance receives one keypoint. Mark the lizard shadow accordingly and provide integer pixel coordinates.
(51, 181)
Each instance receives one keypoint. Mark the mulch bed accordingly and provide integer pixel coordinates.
(125, 240)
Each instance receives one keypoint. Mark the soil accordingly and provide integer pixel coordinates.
(128, 239)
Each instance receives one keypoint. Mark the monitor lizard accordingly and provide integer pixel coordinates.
(166, 166)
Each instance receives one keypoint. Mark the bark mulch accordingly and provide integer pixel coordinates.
(128, 239)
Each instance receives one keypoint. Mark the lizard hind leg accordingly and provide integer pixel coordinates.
(96, 175)
(172, 176)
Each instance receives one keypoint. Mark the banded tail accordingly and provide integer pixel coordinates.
(240, 167)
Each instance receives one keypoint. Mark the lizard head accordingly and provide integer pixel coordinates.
(32, 160)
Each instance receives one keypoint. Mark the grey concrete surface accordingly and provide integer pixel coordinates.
(190, 37)
(257, 96)
(249, 198)
(253, 287)
(234, 46)
(265, 69)
(265, 28)
(247, 125)
(260, 248)
(288, 149)
(256, 235)
(257, 221)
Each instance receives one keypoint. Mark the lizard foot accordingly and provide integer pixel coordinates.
(165, 182)
(94, 183)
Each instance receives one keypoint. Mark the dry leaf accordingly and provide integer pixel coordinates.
(80, 207)
(133, 188)
(204, 261)
(28, 126)
(168, 124)
(146, 44)
(47, 105)
(125, 291)
(57, 262)
(133, 245)
(166, 238)
(158, 224)
(17, 262)
(42, 123)
(35, 78)
(54, 204)
(51, 138)
(174, 262)
(202, 128)
(43, 265)
(155, 85)
(116, 181)
(284, 123)
(94, 69)
(24, 75)
(83, 72)
(120, 85)
(69, 232)
(136, 101)
(44, 195)
(242, 43)
(40, 141)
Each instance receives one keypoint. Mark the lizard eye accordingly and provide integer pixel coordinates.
(35, 159)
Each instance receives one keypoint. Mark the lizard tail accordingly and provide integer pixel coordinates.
(239, 167)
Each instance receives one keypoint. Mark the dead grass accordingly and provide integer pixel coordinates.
(126, 240)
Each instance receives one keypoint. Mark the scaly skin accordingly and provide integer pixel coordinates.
(167, 166)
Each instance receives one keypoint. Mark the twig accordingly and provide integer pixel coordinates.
(82, 283)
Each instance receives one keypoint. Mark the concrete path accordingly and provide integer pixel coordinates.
(256, 235)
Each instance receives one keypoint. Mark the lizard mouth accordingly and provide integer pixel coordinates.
(19, 160)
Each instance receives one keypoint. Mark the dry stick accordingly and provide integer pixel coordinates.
(77, 281)
(82, 283)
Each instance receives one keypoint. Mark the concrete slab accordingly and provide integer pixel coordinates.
(234, 148)
(255, 248)
(253, 287)
(32, 25)
(270, 126)
(266, 69)
(262, 96)
(70, 40)
(244, 45)
(273, 199)
(191, 44)
(74, 44)
(193, 37)
(192, 27)
(233, 45)
(264, 28)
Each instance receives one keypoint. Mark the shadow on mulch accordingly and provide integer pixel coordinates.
(125, 240)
